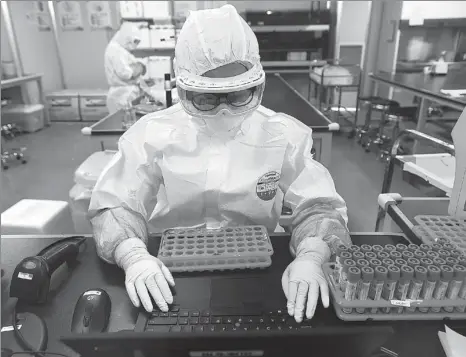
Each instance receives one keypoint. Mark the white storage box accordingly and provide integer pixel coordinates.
(85, 179)
(330, 76)
(29, 117)
(63, 105)
(93, 104)
(158, 66)
(37, 217)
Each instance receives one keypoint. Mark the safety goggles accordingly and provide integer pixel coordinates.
(210, 104)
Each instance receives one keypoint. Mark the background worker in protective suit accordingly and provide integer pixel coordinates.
(122, 69)
(217, 159)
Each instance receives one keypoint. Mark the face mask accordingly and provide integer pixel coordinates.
(224, 121)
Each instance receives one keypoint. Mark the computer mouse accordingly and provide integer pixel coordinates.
(92, 312)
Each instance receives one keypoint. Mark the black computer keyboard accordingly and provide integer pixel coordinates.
(182, 320)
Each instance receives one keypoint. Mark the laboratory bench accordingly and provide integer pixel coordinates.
(409, 338)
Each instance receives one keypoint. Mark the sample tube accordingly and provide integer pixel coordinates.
(358, 255)
(439, 261)
(387, 262)
(342, 254)
(347, 263)
(367, 275)
(432, 254)
(354, 275)
(413, 247)
(375, 263)
(442, 240)
(394, 254)
(362, 263)
(400, 262)
(413, 262)
(389, 247)
(448, 246)
(462, 260)
(433, 276)
(407, 254)
(401, 247)
(436, 246)
(455, 253)
(442, 253)
(389, 287)
(424, 247)
(419, 254)
(451, 261)
(407, 274)
(382, 255)
(375, 291)
(420, 275)
(459, 273)
(440, 291)
(353, 248)
(425, 262)
(377, 248)
(370, 255)
(366, 248)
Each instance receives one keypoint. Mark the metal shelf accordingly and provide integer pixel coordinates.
(291, 63)
(13, 82)
(291, 28)
(154, 51)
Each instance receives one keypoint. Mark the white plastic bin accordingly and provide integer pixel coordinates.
(93, 104)
(63, 105)
(85, 179)
(29, 117)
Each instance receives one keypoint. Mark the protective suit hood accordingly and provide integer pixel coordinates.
(126, 35)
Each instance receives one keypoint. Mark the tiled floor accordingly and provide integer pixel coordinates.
(56, 152)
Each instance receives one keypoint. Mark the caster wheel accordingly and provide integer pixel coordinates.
(19, 156)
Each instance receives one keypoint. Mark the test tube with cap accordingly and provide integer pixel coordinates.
(354, 275)
(367, 275)
(442, 240)
(439, 261)
(442, 253)
(401, 247)
(433, 276)
(358, 255)
(362, 263)
(451, 261)
(375, 263)
(382, 255)
(432, 254)
(366, 248)
(424, 247)
(448, 246)
(459, 274)
(353, 248)
(370, 255)
(377, 248)
(389, 247)
(413, 247)
(400, 262)
(420, 275)
(413, 262)
(455, 253)
(462, 260)
(436, 246)
(425, 262)
(394, 254)
(406, 275)
(342, 254)
(347, 263)
(407, 254)
(375, 291)
(440, 291)
(387, 262)
(462, 296)
(389, 287)
(419, 254)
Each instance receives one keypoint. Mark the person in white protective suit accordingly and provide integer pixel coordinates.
(216, 159)
(122, 69)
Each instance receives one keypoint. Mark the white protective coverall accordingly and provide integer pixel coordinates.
(176, 170)
(119, 67)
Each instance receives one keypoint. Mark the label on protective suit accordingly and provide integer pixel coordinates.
(267, 186)
(25, 276)
(10, 328)
(92, 292)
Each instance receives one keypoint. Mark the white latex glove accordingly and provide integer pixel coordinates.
(146, 275)
(304, 277)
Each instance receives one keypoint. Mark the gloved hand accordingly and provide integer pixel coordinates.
(146, 275)
(304, 277)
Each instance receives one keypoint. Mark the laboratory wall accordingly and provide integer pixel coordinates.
(36, 48)
(354, 18)
(82, 52)
(433, 10)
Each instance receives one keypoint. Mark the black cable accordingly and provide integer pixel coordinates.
(25, 344)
